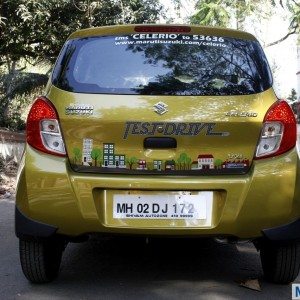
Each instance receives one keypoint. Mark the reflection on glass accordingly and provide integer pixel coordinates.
(162, 67)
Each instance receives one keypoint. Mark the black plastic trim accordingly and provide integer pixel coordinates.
(284, 233)
(100, 170)
(27, 228)
(160, 143)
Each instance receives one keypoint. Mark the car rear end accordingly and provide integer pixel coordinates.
(160, 130)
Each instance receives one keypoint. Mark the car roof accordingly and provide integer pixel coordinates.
(161, 28)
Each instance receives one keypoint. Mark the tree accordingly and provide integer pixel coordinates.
(294, 103)
(131, 161)
(188, 162)
(294, 27)
(33, 32)
(218, 163)
(37, 29)
(99, 13)
(293, 96)
(224, 13)
(183, 161)
(17, 85)
(77, 155)
(95, 154)
(179, 162)
(211, 12)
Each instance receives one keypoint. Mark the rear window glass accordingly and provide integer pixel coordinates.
(162, 64)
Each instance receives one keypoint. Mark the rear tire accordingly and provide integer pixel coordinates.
(280, 262)
(40, 260)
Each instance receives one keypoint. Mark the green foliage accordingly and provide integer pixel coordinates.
(184, 161)
(2, 164)
(294, 8)
(234, 13)
(95, 154)
(21, 82)
(295, 105)
(33, 32)
(17, 110)
(188, 161)
(224, 13)
(77, 155)
(38, 29)
(218, 163)
(131, 161)
(296, 109)
(212, 13)
(16, 93)
(294, 27)
(293, 96)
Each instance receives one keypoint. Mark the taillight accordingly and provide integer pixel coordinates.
(42, 129)
(279, 131)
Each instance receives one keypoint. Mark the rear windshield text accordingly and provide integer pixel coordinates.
(162, 64)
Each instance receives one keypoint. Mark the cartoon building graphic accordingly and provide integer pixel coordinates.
(110, 159)
(170, 165)
(142, 165)
(87, 146)
(205, 161)
(194, 165)
(157, 165)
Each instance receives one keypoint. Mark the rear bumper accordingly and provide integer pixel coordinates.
(245, 206)
(287, 232)
(27, 228)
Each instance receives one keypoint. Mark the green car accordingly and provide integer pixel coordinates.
(160, 130)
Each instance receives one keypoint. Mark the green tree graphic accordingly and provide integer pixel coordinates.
(182, 160)
(95, 154)
(179, 162)
(218, 163)
(77, 155)
(131, 161)
(188, 162)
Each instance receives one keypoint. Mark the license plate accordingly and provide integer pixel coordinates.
(195, 207)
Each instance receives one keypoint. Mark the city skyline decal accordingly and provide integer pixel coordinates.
(107, 157)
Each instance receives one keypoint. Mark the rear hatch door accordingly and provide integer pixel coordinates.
(154, 104)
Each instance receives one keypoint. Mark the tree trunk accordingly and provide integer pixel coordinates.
(240, 14)
(122, 12)
(11, 67)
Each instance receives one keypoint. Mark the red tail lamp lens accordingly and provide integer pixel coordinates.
(42, 128)
(279, 133)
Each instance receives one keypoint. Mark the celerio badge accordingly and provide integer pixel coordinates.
(160, 108)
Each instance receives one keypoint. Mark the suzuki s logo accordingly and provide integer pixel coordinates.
(160, 108)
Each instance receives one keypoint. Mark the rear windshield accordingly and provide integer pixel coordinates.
(162, 64)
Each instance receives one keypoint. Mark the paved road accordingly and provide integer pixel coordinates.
(132, 269)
